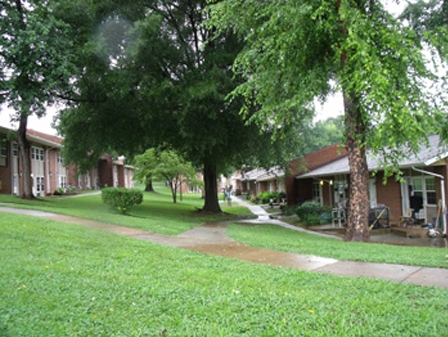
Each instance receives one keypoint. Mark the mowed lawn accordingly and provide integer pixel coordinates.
(157, 213)
(59, 279)
(63, 280)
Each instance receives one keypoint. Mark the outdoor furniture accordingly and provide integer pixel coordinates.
(407, 219)
(379, 217)
(338, 216)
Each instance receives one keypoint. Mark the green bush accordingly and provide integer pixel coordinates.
(63, 191)
(288, 210)
(255, 199)
(310, 212)
(121, 199)
(265, 197)
(281, 195)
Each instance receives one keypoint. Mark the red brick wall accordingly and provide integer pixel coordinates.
(389, 194)
(120, 174)
(72, 178)
(310, 162)
(53, 170)
(5, 173)
(105, 172)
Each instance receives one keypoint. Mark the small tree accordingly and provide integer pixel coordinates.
(167, 165)
(145, 165)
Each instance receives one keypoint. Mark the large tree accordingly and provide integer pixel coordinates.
(160, 80)
(295, 50)
(35, 66)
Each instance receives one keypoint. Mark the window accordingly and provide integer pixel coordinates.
(40, 185)
(60, 159)
(3, 152)
(37, 154)
(425, 189)
(63, 181)
(431, 198)
(15, 149)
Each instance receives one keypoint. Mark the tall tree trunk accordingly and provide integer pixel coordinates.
(358, 203)
(24, 147)
(148, 187)
(211, 189)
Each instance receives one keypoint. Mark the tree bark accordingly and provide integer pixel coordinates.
(24, 147)
(211, 189)
(148, 187)
(358, 203)
(173, 188)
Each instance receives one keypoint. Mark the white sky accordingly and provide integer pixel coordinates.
(331, 108)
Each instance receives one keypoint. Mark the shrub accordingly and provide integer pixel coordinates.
(265, 197)
(288, 210)
(58, 191)
(281, 195)
(121, 199)
(64, 191)
(310, 212)
(255, 199)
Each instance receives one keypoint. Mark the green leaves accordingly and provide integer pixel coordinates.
(166, 165)
(294, 49)
(121, 199)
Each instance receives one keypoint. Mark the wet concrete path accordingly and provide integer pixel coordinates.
(211, 238)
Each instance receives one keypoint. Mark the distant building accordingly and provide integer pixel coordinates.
(49, 170)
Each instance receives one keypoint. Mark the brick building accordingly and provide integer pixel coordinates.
(48, 169)
(422, 188)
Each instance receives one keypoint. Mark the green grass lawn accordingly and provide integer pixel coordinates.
(157, 213)
(282, 239)
(59, 279)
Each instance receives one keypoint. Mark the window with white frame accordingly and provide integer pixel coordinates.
(63, 181)
(39, 185)
(425, 188)
(37, 154)
(15, 149)
(3, 152)
(60, 158)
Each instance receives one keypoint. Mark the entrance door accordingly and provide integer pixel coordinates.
(421, 188)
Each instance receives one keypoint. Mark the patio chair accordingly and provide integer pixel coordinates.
(407, 219)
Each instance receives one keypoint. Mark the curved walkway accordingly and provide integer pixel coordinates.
(211, 238)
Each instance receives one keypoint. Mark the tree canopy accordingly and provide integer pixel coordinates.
(321, 134)
(35, 66)
(295, 50)
(165, 82)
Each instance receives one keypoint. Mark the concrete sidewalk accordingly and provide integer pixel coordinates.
(211, 238)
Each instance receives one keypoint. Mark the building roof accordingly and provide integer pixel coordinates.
(252, 175)
(272, 173)
(37, 137)
(429, 154)
(44, 139)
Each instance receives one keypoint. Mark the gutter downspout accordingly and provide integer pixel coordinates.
(47, 170)
(442, 188)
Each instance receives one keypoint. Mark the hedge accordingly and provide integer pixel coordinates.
(120, 198)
